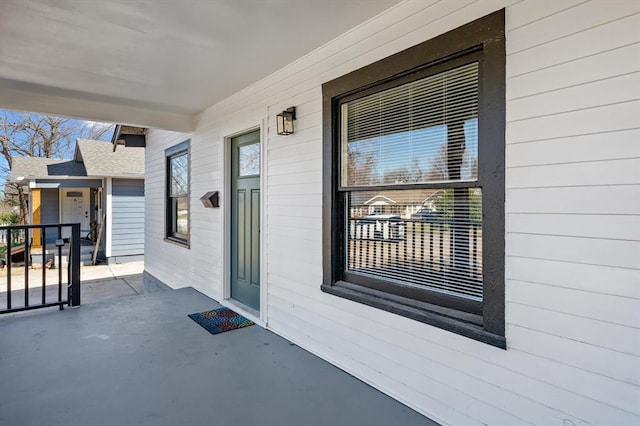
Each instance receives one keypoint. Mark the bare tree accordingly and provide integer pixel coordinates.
(361, 166)
(438, 168)
(32, 135)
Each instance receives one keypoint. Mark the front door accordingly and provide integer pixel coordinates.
(75, 209)
(245, 219)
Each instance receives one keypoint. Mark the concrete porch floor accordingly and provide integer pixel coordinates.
(141, 361)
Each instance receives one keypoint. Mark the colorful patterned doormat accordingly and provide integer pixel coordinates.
(220, 320)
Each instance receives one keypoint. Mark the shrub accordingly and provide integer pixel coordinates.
(9, 218)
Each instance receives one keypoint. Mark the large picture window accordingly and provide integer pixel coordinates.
(414, 179)
(177, 204)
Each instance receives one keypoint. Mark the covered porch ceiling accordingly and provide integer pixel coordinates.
(156, 63)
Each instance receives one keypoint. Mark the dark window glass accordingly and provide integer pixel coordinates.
(424, 238)
(425, 131)
(178, 193)
(179, 165)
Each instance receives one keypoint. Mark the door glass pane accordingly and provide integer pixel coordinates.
(249, 160)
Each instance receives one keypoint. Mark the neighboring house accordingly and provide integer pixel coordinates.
(410, 202)
(380, 204)
(104, 182)
(544, 96)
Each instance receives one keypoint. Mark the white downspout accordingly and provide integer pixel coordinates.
(109, 210)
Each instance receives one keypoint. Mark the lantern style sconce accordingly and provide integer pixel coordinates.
(285, 121)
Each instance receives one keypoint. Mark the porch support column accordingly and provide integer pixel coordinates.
(108, 211)
(36, 200)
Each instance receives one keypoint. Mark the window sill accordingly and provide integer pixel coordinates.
(177, 242)
(447, 319)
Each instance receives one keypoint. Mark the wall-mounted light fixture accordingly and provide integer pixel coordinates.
(285, 121)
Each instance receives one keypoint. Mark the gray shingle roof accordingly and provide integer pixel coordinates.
(36, 167)
(100, 159)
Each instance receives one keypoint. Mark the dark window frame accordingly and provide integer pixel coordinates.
(482, 40)
(183, 148)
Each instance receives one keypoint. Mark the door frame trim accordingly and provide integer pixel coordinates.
(86, 195)
(259, 317)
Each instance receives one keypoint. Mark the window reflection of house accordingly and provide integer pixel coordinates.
(403, 203)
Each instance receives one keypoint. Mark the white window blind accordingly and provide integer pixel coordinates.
(423, 132)
(423, 238)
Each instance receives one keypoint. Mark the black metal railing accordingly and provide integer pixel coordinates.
(29, 247)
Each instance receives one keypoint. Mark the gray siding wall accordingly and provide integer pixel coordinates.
(49, 206)
(50, 212)
(127, 231)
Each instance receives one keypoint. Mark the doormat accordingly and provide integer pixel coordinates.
(220, 320)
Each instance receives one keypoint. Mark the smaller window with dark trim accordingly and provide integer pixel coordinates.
(177, 202)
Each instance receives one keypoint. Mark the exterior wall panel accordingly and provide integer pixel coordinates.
(49, 207)
(572, 206)
(128, 217)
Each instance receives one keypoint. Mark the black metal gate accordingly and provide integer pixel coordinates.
(28, 247)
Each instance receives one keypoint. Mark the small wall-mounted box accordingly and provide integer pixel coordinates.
(210, 199)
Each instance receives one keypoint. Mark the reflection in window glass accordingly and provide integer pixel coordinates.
(182, 215)
(423, 131)
(177, 204)
(426, 238)
(179, 175)
(249, 160)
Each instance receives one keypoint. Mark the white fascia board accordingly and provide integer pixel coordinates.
(122, 177)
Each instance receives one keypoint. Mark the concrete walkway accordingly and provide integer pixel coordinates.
(102, 282)
(102, 271)
(142, 361)
(98, 282)
(87, 273)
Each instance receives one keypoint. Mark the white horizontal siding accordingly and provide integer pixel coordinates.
(593, 173)
(609, 308)
(582, 44)
(594, 278)
(583, 329)
(608, 227)
(623, 254)
(601, 119)
(606, 91)
(576, 73)
(573, 215)
(620, 145)
(610, 199)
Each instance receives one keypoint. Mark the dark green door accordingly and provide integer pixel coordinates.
(245, 219)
